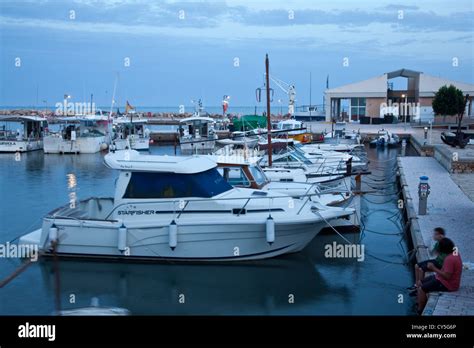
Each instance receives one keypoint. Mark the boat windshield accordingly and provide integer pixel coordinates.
(300, 156)
(171, 185)
(258, 175)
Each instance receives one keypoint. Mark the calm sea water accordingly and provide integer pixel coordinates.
(39, 183)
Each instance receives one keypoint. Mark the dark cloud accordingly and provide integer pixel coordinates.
(210, 14)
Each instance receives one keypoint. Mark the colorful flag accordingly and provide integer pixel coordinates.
(128, 107)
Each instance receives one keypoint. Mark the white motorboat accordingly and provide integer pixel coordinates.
(335, 147)
(131, 131)
(247, 139)
(21, 133)
(385, 138)
(197, 135)
(295, 130)
(241, 170)
(79, 134)
(180, 208)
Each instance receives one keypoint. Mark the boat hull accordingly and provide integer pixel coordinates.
(20, 145)
(202, 147)
(139, 144)
(219, 241)
(53, 144)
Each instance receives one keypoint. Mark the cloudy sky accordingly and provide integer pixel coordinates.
(166, 53)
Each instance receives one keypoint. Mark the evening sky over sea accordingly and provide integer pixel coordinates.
(167, 53)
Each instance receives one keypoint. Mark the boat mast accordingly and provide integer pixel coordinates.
(269, 124)
(112, 106)
(310, 92)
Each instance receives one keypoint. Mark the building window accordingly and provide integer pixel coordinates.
(357, 108)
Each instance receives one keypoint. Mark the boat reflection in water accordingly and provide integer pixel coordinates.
(285, 285)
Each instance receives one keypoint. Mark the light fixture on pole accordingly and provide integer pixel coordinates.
(405, 111)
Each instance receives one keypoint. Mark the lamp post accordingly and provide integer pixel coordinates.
(405, 111)
(426, 134)
(66, 98)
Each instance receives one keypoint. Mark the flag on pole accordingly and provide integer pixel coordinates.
(225, 104)
(128, 107)
(327, 82)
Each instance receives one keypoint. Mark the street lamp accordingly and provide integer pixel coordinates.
(66, 97)
(405, 111)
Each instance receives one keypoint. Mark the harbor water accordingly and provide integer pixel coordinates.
(306, 283)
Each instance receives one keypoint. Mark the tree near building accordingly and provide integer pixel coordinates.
(450, 101)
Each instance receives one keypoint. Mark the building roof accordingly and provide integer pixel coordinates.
(429, 85)
(374, 87)
(377, 86)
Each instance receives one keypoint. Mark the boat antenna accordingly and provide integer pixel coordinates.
(113, 97)
(269, 124)
(310, 93)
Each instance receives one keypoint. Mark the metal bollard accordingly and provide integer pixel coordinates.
(404, 147)
(423, 193)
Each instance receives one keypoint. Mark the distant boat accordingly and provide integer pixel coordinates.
(385, 138)
(130, 131)
(308, 113)
(197, 135)
(79, 134)
(296, 130)
(27, 138)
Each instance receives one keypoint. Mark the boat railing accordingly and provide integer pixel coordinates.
(182, 204)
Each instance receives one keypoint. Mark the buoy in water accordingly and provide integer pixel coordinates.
(270, 230)
(173, 235)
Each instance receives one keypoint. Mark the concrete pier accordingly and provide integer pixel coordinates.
(448, 207)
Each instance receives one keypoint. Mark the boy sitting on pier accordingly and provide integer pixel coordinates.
(448, 278)
(422, 267)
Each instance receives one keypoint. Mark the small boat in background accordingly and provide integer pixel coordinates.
(131, 130)
(296, 130)
(197, 134)
(80, 134)
(27, 134)
(239, 138)
(385, 138)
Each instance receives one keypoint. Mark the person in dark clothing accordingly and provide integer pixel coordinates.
(421, 267)
(448, 278)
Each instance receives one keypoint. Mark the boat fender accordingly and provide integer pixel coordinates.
(270, 230)
(53, 233)
(173, 235)
(122, 238)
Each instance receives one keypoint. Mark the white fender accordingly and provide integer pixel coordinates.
(53, 233)
(122, 238)
(270, 230)
(173, 235)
